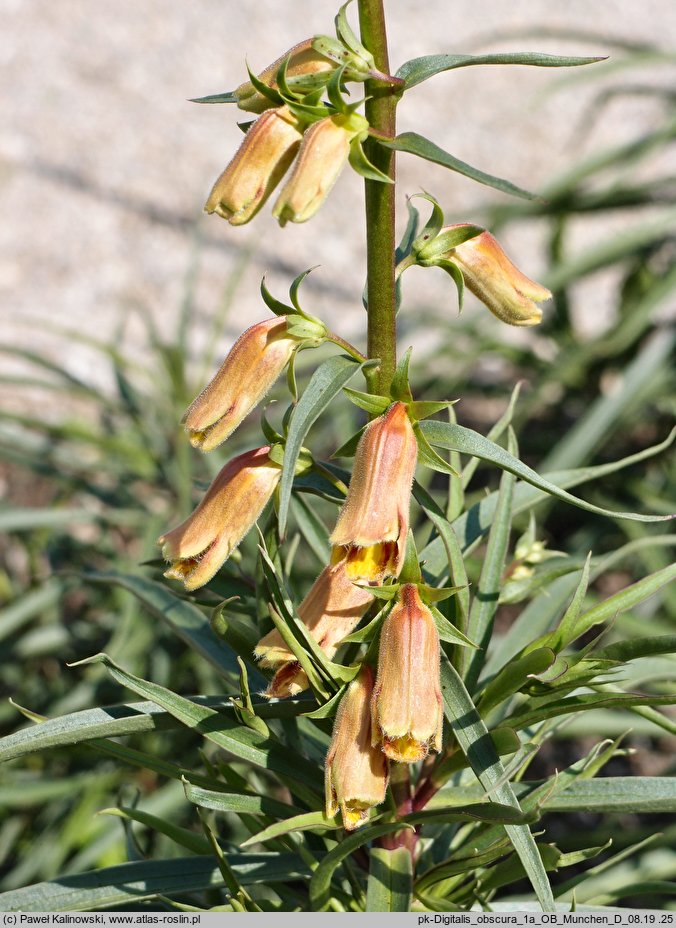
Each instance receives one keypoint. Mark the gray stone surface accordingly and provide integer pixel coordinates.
(104, 166)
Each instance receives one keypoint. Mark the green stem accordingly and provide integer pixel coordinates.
(381, 104)
(346, 346)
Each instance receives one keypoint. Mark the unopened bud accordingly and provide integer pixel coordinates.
(198, 547)
(356, 772)
(254, 363)
(407, 706)
(307, 69)
(373, 524)
(269, 147)
(322, 156)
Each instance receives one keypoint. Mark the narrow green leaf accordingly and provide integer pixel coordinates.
(238, 803)
(456, 564)
(636, 648)
(227, 97)
(227, 733)
(109, 722)
(513, 676)
(415, 144)
(448, 632)
(371, 402)
(187, 620)
(474, 739)
(326, 382)
(181, 836)
(361, 164)
(625, 599)
(320, 884)
(304, 821)
(615, 794)
(485, 602)
(390, 880)
(428, 457)
(421, 69)
(128, 884)
(533, 713)
(312, 529)
(458, 438)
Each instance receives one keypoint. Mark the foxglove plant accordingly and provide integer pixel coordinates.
(387, 698)
(381, 763)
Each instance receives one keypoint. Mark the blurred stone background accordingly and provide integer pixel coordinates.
(104, 165)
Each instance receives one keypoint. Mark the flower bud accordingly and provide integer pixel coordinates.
(198, 547)
(269, 147)
(356, 772)
(406, 706)
(303, 62)
(373, 524)
(499, 284)
(322, 156)
(331, 610)
(254, 363)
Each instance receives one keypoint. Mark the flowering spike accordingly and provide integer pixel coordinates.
(331, 610)
(262, 159)
(407, 706)
(322, 156)
(200, 545)
(254, 363)
(356, 772)
(373, 524)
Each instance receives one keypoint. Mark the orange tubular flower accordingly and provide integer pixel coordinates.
(331, 610)
(373, 523)
(406, 706)
(322, 156)
(254, 363)
(198, 547)
(356, 772)
(263, 158)
(303, 61)
(499, 284)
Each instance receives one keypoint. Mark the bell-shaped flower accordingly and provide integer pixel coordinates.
(198, 547)
(254, 363)
(496, 281)
(356, 772)
(373, 524)
(331, 610)
(269, 147)
(322, 156)
(407, 707)
(303, 62)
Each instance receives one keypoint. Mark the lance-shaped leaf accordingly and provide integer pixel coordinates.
(415, 144)
(418, 70)
(474, 739)
(458, 438)
(240, 804)
(227, 733)
(128, 884)
(390, 880)
(320, 884)
(485, 603)
(185, 619)
(90, 724)
(326, 382)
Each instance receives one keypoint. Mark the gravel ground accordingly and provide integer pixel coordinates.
(104, 165)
